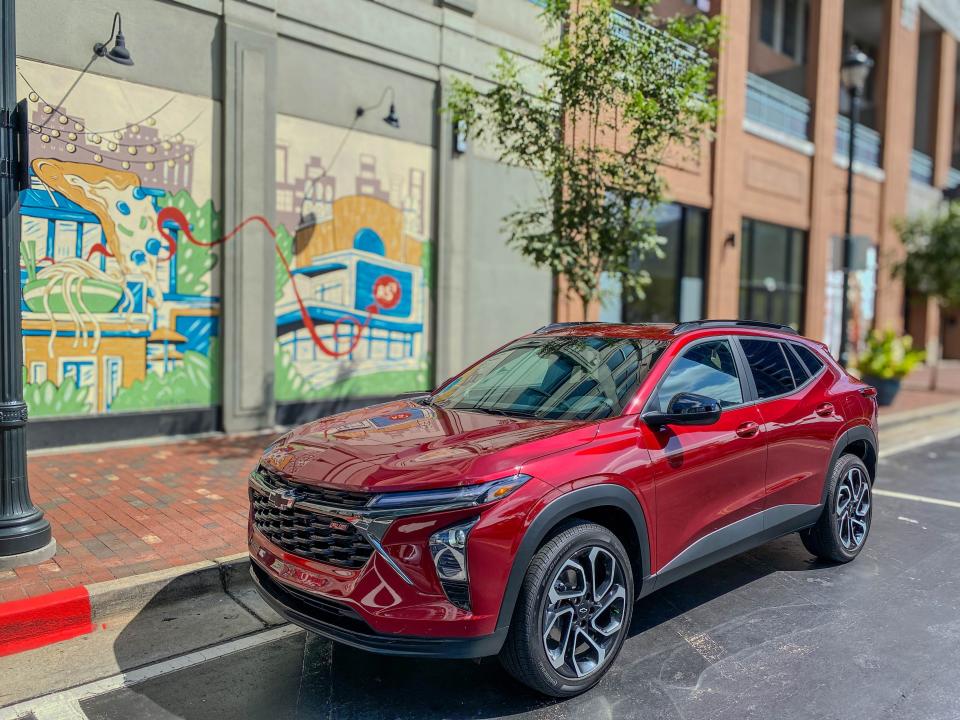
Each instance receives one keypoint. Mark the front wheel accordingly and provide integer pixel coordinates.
(842, 529)
(573, 612)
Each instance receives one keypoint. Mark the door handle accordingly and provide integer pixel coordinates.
(748, 429)
(824, 409)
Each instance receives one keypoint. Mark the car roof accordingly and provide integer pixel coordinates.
(645, 331)
(667, 332)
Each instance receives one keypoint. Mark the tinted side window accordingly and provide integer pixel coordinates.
(769, 366)
(800, 372)
(706, 369)
(809, 358)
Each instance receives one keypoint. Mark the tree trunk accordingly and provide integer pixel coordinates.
(935, 364)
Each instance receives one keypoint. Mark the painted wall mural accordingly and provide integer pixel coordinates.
(117, 315)
(353, 265)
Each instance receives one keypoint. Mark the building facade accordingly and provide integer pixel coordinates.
(770, 188)
(268, 218)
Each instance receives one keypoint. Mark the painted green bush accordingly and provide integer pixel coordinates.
(285, 245)
(194, 262)
(47, 399)
(290, 385)
(195, 381)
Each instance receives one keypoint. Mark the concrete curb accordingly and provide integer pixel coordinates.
(50, 618)
(906, 417)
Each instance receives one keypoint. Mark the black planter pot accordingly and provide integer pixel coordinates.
(887, 388)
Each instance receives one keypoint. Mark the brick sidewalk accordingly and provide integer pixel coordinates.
(130, 510)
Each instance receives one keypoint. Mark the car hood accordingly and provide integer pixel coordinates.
(404, 445)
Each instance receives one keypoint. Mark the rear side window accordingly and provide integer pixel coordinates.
(809, 358)
(799, 370)
(708, 368)
(767, 361)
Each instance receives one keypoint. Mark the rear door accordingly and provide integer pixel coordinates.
(800, 422)
(708, 477)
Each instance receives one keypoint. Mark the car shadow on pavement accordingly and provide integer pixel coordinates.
(305, 676)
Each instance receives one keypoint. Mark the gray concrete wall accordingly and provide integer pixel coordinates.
(319, 60)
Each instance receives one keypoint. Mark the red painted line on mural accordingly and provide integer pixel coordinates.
(175, 215)
(44, 620)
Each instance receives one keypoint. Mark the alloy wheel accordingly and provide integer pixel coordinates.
(584, 612)
(853, 508)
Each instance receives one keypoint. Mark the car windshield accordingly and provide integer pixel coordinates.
(555, 378)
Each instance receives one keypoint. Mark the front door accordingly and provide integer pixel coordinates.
(709, 478)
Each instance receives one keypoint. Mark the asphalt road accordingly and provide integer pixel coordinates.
(769, 634)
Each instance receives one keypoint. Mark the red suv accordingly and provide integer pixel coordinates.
(522, 507)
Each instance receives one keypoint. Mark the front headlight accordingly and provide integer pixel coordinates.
(463, 496)
(448, 548)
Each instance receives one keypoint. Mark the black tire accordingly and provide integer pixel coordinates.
(827, 539)
(524, 655)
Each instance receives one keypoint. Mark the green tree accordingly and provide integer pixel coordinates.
(932, 264)
(645, 82)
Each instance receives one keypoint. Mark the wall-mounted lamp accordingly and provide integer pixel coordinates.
(460, 137)
(730, 240)
(118, 53)
(390, 118)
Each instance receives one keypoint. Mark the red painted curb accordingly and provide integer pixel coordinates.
(38, 621)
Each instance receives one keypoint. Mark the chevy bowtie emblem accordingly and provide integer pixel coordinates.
(282, 499)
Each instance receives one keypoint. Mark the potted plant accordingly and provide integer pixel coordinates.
(886, 361)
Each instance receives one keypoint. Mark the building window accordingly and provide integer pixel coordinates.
(676, 290)
(783, 26)
(38, 372)
(772, 271)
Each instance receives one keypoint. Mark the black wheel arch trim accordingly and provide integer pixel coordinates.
(568, 505)
(851, 435)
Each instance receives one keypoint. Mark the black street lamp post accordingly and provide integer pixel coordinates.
(24, 532)
(853, 76)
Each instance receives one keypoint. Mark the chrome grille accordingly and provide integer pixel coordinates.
(310, 535)
(345, 499)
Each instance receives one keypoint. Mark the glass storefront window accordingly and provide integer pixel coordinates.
(772, 270)
(676, 290)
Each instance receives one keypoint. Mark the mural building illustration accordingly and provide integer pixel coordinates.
(353, 210)
(116, 317)
(121, 248)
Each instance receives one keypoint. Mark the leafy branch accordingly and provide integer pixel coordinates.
(616, 91)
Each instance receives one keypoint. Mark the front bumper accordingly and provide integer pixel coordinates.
(340, 623)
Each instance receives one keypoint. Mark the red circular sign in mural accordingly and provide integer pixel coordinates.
(387, 292)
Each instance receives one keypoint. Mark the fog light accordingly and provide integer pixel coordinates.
(448, 547)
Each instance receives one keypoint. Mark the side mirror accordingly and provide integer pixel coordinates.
(685, 409)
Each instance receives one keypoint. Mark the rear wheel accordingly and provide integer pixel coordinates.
(573, 612)
(842, 529)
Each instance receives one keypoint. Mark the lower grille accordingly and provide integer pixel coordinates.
(310, 535)
(328, 611)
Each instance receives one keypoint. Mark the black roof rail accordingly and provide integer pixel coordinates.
(697, 324)
(558, 325)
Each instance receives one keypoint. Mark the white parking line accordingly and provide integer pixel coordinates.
(917, 498)
(66, 703)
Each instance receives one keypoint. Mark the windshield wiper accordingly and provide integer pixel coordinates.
(497, 411)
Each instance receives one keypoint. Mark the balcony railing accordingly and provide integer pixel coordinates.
(628, 28)
(867, 151)
(921, 167)
(953, 178)
(777, 108)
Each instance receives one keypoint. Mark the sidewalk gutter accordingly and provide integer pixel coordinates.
(47, 619)
(906, 417)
